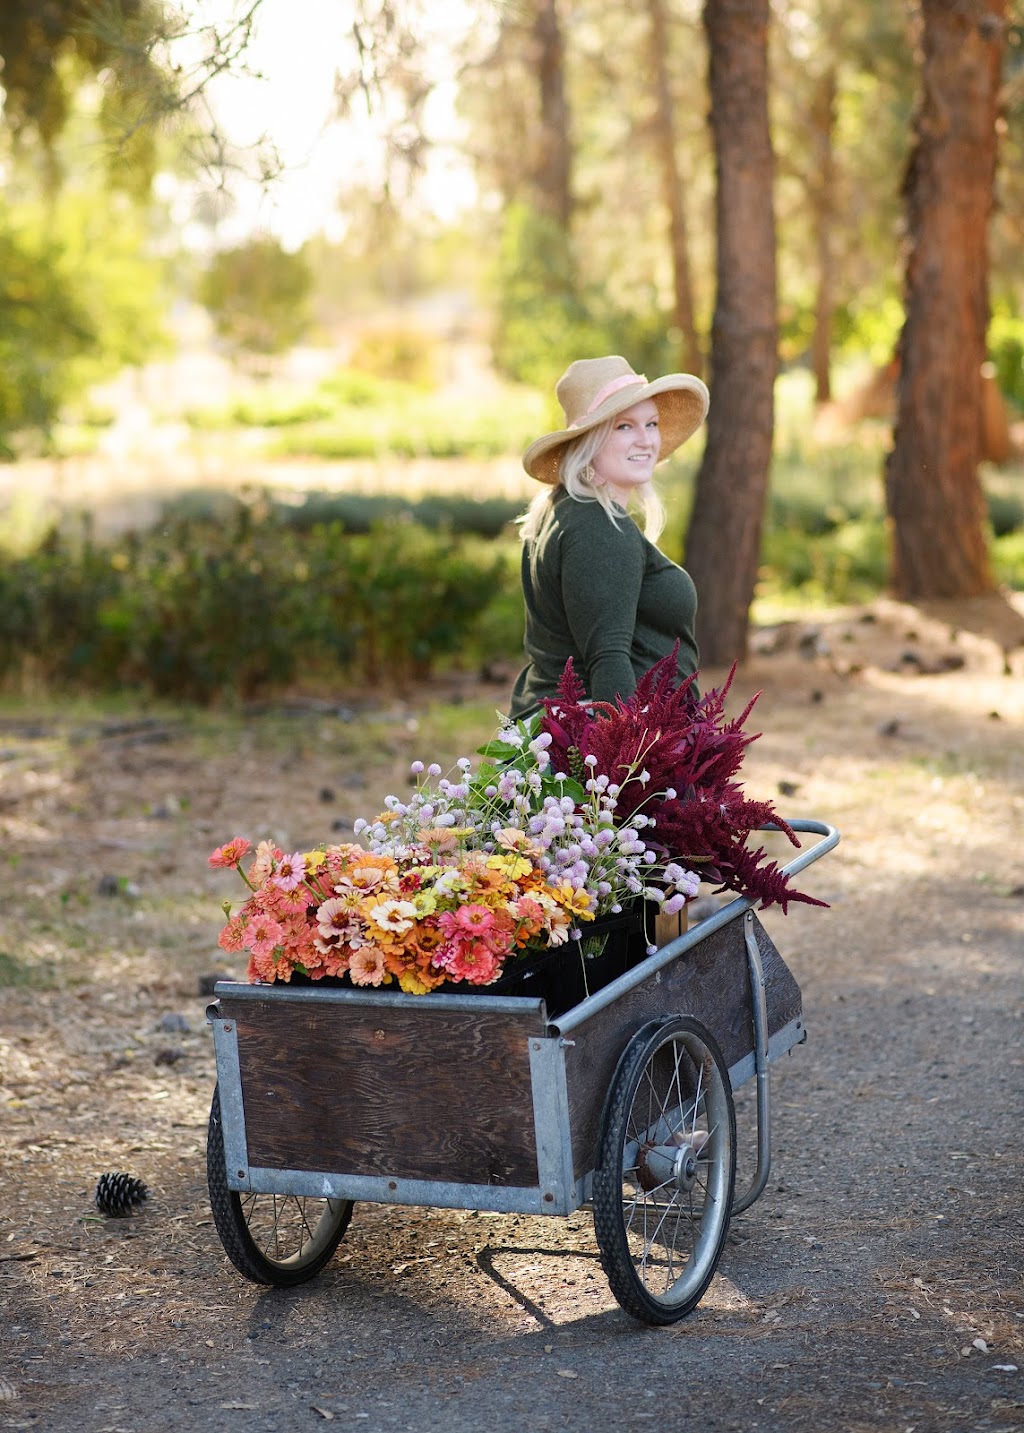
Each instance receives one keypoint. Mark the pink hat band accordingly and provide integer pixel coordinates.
(627, 380)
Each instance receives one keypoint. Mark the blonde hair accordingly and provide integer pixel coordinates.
(576, 458)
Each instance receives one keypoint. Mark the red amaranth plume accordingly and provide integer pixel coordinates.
(680, 743)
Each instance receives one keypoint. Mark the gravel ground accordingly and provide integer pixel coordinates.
(875, 1285)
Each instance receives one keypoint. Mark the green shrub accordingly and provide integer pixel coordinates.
(1008, 559)
(352, 388)
(360, 512)
(354, 415)
(211, 607)
(1005, 511)
(1006, 350)
(279, 410)
(847, 563)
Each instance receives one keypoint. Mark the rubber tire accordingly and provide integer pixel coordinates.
(624, 1265)
(233, 1214)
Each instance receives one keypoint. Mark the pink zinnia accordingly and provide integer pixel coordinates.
(231, 853)
(527, 909)
(474, 919)
(474, 962)
(233, 936)
(265, 935)
(290, 873)
(366, 966)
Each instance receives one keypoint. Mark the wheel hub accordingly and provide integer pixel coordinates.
(664, 1165)
(685, 1170)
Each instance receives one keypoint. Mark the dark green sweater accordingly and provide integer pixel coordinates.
(603, 595)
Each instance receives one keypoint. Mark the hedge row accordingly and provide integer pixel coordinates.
(204, 610)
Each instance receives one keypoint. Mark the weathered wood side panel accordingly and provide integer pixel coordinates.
(373, 1090)
(710, 982)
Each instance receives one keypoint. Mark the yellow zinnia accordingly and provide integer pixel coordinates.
(511, 865)
(572, 900)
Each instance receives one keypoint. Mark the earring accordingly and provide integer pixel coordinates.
(587, 474)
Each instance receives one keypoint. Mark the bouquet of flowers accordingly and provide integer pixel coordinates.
(571, 815)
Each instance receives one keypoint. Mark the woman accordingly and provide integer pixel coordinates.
(596, 588)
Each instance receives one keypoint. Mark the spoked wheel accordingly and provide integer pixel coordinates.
(666, 1167)
(281, 1239)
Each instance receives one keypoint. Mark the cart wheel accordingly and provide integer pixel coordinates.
(281, 1239)
(665, 1172)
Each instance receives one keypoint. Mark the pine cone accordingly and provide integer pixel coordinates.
(118, 1194)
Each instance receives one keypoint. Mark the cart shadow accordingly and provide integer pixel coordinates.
(485, 1262)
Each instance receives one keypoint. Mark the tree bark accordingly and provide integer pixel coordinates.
(553, 156)
(933, 492)
(824, 202)
(691, 358)
(724, 538)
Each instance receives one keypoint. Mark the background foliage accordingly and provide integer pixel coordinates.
(241, 602)
(449, 331)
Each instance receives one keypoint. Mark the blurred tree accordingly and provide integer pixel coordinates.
(390, 77)
(674, 190)
(1006, 331)
(604, 281)
(515, 97)
(42, 326)
(551, 164)
(152, 60)
(933, 491)
(823, 111)
(79, 298)
(541, 321)
(724, 536)
(258, 296)
(49, 47)
(841, 107)
(524, 149)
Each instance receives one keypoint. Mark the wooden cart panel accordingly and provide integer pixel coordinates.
(385, 1090)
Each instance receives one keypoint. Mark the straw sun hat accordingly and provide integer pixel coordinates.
(592, 390)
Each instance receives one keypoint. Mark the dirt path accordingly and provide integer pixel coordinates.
(875, 1285)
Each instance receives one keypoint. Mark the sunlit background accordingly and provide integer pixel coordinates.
(291, 264)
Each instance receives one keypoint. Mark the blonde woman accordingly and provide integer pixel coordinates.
(596, 588)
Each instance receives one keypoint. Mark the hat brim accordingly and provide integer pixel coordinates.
(682, 401)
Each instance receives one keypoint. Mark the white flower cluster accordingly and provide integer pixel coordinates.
(525, 808)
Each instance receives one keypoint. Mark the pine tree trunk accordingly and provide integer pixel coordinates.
(824, 202)
(724, 538)
(672, 187)
(553, 168)
(933, 491)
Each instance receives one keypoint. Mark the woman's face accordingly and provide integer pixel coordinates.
(626, 458)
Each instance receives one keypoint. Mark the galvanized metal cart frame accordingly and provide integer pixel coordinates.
(485, 1102)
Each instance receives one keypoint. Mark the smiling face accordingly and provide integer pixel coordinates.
(626, 459)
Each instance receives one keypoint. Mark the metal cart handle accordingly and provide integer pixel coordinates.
(759, 1010)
